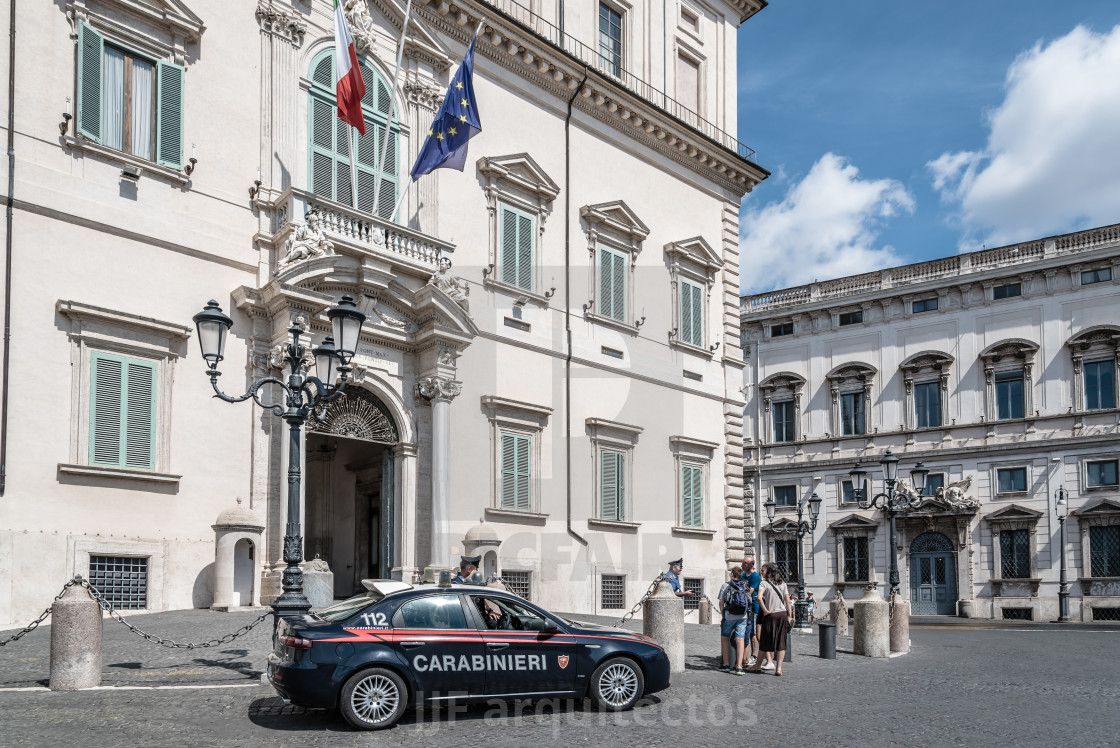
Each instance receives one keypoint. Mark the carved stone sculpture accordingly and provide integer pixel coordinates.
(452, 285)
(955, 494)
(361, 25)
(307, 240)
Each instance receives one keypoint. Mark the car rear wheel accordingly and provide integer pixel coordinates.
(373, 699)
(617, 684)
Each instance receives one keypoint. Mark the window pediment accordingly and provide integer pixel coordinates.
(1102, 337)
(1014, 349)
(852, 373)
(1103, 512)
(1014, 517)
(927, 361)
(157, 27)
(785, 380)
(615, 220)
(854, 524)
(521, 171)
(778, 525)
(697, 251)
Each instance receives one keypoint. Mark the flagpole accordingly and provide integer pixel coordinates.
(404, 193)
(392, 108)
(353, 169)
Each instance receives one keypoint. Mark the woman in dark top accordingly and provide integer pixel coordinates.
(773, 599)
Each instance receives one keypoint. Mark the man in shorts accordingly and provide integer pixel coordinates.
(733, 623)
(752, 580)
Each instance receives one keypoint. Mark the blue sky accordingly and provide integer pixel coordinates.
(903, 131)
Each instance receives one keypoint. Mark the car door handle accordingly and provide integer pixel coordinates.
(412, 645)
(496, 645)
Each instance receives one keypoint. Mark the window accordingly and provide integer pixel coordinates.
(432, 612)
(688, 83)
(785, 556)
(612, 284)
(1100, 275)
(785, 495)
(516, 472)
(695, 585)
(1015, 554)
(122, 412)
(129, 103)
(784, 424)
(784, 328)
(692, 313)
(612, 485)
(924, 305)
(123, 581)
(851, 414)
(692, 496)
(1100, 385)
(516, 248)
(1011, 480)
(1009, 394)
(610, 40)
(851, 318)
(518, 582)
(331, 140)
(1007, 291)
(612, 592)
(1104, 551)
(847, 492)
(1101, 474)
(855, 559)
(690, 19)
(934, 481)
(927, 404)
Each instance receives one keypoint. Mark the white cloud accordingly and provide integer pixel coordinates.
(1050, 162)
(825, 227)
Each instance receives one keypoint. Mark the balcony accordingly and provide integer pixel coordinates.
(611, 70)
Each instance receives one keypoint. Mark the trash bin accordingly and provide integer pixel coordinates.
(827, 640)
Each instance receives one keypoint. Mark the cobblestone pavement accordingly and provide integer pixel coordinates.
(962, 684)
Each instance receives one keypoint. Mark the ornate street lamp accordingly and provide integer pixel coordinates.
(303, 395)
(1062, 509)
(800, 529)
(892, 501)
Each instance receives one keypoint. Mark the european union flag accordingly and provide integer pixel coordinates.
(456, 122)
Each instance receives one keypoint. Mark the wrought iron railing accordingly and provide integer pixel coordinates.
(609, 67)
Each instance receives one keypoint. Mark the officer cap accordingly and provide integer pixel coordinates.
(678, 562)
(472, 560)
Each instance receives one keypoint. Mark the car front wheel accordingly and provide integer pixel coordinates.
(373, 699)
(617, 685)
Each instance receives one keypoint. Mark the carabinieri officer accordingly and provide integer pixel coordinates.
(468, 565)
(673, 577)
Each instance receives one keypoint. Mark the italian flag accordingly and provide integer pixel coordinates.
(348, 83)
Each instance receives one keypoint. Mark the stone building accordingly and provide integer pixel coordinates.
(573, 382)
(998, 370)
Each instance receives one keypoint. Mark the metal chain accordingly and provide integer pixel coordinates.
(496, 578)
(35, 624)
(638, 605)
(702, 597)
(108, 608)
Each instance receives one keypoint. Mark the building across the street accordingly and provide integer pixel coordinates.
(997, 370)
(564, 400)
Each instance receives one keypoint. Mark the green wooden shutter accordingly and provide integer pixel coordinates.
(169, 115)
(91, 46)
(516, 472)
(525, 252)
(612, 485)
(122, 412)
(516, 245)
(612, 284)
(692, 496)
(692, 313)
(508, 260)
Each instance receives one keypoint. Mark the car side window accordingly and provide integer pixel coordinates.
(500, 613)
(432, 612)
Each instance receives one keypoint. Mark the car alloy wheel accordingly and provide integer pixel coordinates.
(617, 684)
(373, 699)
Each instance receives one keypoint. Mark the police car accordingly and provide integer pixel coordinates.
(396, 645)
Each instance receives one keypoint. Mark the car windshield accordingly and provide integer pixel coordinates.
(342, 610)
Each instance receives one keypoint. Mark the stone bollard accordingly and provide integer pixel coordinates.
(872, 635)
(900, 624)
(75, 641)
(705, 611)
(663, 621)
(838, 614)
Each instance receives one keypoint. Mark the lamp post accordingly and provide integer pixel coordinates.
(800, 529)
(332, 364)
(892, 502)
(1062, 509)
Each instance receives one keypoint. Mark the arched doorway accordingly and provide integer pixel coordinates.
(243, 572)
(350, 489)
(933, 576)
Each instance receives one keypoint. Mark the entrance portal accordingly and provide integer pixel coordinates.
(933, 578)
(349, 491)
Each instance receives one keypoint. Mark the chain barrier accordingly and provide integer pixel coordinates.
(638, 605)
(697, 608)
(116, 616)
(496, 578)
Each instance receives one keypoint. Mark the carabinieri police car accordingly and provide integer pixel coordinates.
(397, 645)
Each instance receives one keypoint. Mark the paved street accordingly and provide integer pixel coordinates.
(968, 684)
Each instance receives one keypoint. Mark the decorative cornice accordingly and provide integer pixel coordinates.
(438, 388)
(281, 23)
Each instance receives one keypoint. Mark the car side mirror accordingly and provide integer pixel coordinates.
(550, 628)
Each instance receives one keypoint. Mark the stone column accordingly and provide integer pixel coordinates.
(439, 392)
(404, 512)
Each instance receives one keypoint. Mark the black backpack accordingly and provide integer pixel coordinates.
(736, 598)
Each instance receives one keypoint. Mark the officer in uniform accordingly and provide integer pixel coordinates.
(468, 565)
(673, 577)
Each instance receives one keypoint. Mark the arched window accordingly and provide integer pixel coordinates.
(331, 140)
